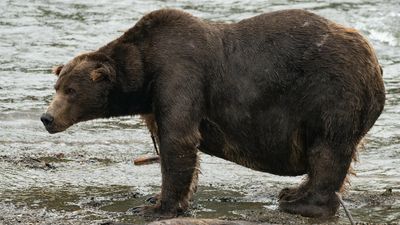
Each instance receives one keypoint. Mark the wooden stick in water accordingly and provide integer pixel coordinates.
(345, 209)
(144, 160)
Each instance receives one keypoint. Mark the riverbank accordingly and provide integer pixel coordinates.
(110, 205)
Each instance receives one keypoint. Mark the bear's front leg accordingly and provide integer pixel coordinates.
(179, 169)
(178, 112)
(179, 172)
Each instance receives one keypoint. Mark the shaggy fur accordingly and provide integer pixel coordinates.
(286, 92)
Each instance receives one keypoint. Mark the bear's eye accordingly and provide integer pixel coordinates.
(70, 91)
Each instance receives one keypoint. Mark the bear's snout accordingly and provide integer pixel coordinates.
(47, 120)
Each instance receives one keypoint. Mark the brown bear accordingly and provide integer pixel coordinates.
(286, 92)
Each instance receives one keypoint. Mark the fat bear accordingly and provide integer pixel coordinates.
(286, 92)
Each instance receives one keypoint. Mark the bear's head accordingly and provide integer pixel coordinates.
(82, 90)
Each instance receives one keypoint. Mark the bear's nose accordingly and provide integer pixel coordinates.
(47, 119)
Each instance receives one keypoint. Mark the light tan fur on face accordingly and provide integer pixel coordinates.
(59, 109)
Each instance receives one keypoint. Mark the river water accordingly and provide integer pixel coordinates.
(62, 177)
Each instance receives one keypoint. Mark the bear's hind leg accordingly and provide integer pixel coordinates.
(328, 167)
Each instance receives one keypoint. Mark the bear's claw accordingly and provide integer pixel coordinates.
(311, 205)
(153, 199)
(290, 194)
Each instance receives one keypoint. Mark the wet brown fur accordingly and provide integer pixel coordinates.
(286, 92)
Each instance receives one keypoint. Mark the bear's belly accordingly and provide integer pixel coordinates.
(274, 155)
(286, 163)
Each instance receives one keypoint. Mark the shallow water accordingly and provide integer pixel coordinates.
(93, 159)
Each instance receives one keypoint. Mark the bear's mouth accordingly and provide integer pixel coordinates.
(55, 129)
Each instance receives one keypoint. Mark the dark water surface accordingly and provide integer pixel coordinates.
(87, 174)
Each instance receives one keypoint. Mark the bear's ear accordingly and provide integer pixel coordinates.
(57, 69)
(105, 71)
